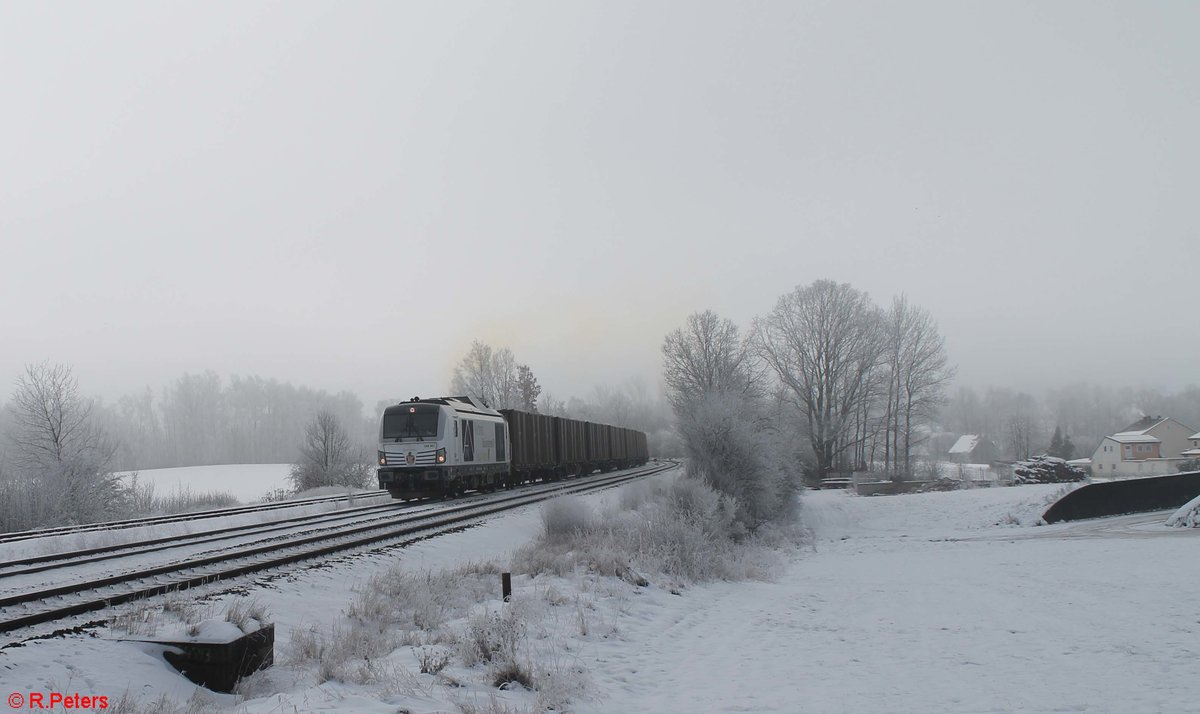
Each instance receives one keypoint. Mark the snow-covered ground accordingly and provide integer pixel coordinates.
(918, 603)
(248, 483)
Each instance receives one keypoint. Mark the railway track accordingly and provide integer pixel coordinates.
(47, 604)
(184, 517)
(87, 556)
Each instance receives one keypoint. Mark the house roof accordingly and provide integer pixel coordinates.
(965, 444)
(1143, 425)
(1134, 437)
(1195, 436)
(1190, 452)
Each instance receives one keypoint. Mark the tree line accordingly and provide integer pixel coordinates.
(202, 419)
(60, 451)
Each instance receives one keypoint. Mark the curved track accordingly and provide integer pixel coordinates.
(45, 604)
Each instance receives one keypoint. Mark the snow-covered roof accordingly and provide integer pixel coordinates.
(1134, 437)
(1190, 452)
(1195, 436)
(1143, 425)
(965, 444)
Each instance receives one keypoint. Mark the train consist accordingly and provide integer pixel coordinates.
(445, 446)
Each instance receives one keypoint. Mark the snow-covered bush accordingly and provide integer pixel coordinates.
(1046, 469)
(497, 640)
(734, 449)
(328, 457)
(416, 603)
(563, 516)
(1188, 516)
(682, 529)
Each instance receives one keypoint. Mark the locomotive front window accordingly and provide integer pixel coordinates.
(410, 422)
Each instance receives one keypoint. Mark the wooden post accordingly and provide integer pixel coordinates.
(506, 586)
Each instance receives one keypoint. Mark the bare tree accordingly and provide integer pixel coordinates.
(473, 374)
(823, 342)
(1016, 418)
(706, 356)
(328, 457)
(53, 423)
(547, 404)
(59, 449)
(918, 372)
(504, 380)
(490, 374)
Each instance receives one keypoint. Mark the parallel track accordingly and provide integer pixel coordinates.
(50, 561)
(182, 517)
(35, 607)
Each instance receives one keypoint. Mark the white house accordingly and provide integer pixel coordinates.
(1152, 446)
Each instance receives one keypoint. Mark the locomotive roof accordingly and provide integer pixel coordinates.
(465, 405)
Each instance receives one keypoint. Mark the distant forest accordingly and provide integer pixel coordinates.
(204, 419)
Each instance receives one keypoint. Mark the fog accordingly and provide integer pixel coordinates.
(346, 195)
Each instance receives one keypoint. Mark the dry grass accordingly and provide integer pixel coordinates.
(682, 530)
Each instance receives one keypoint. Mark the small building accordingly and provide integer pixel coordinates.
(1151, 446)
(973, 449)
(1193, 450)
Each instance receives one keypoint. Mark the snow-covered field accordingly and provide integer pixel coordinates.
(937, 602)
(247, 482)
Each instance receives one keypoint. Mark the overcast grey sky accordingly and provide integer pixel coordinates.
(344, 195)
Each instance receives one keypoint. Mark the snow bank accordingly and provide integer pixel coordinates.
(1188, 516)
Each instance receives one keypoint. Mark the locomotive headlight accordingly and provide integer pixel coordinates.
(382, 458)
(441, 456)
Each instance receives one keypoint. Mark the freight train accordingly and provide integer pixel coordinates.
(448, 445)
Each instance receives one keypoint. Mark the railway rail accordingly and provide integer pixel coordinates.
(24, 609)
(183, 517)
(88, 556)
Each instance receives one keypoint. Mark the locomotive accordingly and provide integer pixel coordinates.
(448, 445)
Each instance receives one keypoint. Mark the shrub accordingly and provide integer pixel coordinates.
(738, 453)
(681, 528)
(566, 515)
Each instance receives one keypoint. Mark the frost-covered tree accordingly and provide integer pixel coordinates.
(328, 457)
(824, 342)
(704, 356)
(528, 388)
(490, 374)
(58, 450)
(547, 404)
(712, 386)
